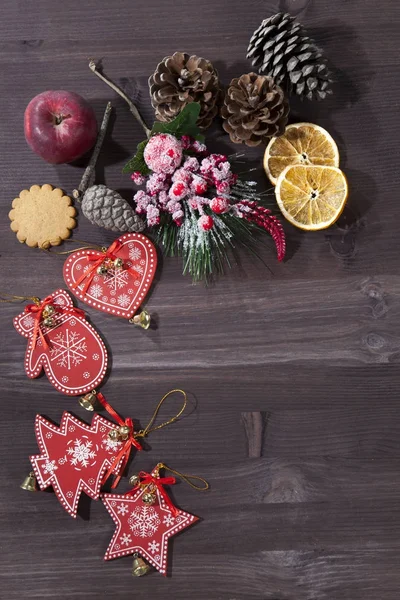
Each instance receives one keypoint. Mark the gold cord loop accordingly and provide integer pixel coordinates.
(87, 246)
(13, 298)
(148, 429)
(187, 478)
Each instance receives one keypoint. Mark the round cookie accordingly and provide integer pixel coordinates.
(42, 216)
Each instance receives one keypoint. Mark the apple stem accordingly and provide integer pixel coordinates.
(132, 107)
(88, 175)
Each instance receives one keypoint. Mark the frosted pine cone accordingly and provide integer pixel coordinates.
(106, 208)
(180, 79)
(281, 49)
(255, 109)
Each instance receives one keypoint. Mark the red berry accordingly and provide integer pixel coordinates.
(219, 205)
(205, 222)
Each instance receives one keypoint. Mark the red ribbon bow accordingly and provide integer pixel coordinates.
(127, 445)
(97, 261)
(37, 310)
(146, 479)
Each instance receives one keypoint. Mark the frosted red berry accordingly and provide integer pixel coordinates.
(219, 205)
(163, 153)
(205, 222)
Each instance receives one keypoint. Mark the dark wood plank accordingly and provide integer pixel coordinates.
(292, 373)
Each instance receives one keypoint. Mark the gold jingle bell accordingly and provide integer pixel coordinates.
(49, 322)
(134, 480)
(124, 432)
(139, 566)
(118, 263)
(113, 435)
(143, 319)
(88, 401)
(48, 310)
(149, 498)
(29, 483)
(102, 270)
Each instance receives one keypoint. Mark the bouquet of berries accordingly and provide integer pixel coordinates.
(196, 204)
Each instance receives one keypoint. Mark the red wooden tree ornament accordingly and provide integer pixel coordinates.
(63, 344)
(117, 280)
(74, 457)
(144, 529)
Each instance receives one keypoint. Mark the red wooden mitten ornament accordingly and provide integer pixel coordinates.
(145, 519)
(63, 344)
(76, 457)
(115, 280)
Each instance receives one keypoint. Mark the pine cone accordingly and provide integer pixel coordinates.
(255, 109)
(180, 79)
(281, 49)
(106, 208)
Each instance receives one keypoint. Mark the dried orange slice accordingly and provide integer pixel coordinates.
(311, 197)
(301, 144)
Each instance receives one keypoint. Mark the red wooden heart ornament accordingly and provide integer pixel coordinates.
(120, 290)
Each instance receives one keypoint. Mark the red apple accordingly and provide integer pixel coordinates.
(60, 126)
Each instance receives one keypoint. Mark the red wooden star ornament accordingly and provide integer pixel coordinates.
(145, 520)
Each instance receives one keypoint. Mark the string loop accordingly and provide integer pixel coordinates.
(187, 478)
(148, 429)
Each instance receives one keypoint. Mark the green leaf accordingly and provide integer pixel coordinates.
(184, 124)
(137, 162)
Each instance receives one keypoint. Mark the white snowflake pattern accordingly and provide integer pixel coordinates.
(110, 445)
(81, 453)
(116, 278)
(50, 467)
(69, 494)
(142, 262)
(68, 349)
(71, 428)
(124, 300)
(103, 429)
(144, 521)
(130, 291)
(92, 481)
(105, 298)
(168, 520)
(65, 379)
(29, 321)
(154, 547)
(78, 267)
(135, 253)
(96, 290)
(72, 322)
(60, 301)
(49, 435)
(125, 539)
(139, 269)
(96, 356)
(122, 509)
(86, 374)
(63, 460)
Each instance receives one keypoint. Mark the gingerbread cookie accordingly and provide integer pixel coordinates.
(42, 216)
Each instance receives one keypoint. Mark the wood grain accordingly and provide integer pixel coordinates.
(291, 371)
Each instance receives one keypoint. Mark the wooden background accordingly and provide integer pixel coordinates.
(293, 373)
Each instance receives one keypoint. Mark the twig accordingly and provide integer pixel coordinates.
(132, 107)
(89, 171)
